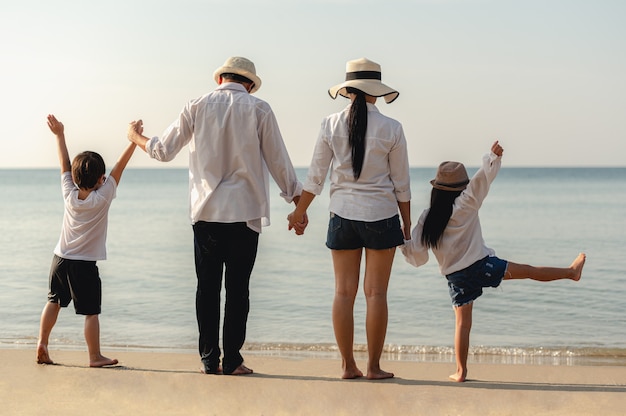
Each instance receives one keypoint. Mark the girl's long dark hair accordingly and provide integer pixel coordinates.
(436, 220)
(357, 126)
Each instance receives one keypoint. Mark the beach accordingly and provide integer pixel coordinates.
(152, 383)
(554, 349)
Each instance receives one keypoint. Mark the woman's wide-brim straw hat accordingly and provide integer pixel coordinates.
(451, 176)
(240, 66)
(364, 75)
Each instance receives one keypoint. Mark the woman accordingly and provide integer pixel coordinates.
(366, 153)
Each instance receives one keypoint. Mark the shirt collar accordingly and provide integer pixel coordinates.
(231, 86)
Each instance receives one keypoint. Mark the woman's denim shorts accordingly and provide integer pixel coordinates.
(466, 285)
(344, 234)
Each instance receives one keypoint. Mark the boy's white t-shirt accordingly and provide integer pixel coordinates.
(84, 231)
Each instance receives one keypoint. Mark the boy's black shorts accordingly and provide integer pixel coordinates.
(78, 281)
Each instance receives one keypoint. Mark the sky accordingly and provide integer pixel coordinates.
(547, 78)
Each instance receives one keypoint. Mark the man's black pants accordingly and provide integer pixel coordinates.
(227, 249)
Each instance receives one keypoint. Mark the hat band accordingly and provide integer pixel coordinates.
(452, 185)
(363, 75)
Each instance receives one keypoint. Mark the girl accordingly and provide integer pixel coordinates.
(451, 229)
(366, 153)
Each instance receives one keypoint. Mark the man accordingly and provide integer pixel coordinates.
(233, 140)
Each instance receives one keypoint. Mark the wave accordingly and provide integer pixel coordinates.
(394, 352)
(481, 354)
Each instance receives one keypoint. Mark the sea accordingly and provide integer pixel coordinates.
(538, 216)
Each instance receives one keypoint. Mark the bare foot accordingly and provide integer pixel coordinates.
(459, 376)
(102, 361)
(42, 355)
(241, 370)
(350, 373)
(577, 265)
(379, 375)
(205, 370)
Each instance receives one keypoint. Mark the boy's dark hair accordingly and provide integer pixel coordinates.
(87, 169)
(436, 220)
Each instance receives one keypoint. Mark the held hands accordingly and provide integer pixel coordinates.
(298, 222)
(406, 230)
(497, 149)
(56, 127)
(135, 128)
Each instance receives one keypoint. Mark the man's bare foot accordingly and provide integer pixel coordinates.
(205, 370)
(102, 361)
(241, 370)
(459, 376)
(42, 355)
(577, 265)
(379, 375)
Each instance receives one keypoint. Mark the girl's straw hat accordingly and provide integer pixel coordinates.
(451, 176)
(240, 66)
(364, 75)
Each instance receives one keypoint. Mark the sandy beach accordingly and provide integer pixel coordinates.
(171, 384)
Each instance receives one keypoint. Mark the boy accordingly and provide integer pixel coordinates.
(74, 275)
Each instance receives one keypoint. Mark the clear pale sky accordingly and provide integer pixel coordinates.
(545, 77)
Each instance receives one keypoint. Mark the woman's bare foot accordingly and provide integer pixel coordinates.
(350, 370)
(577, 265)
(42, 355)
(378, 375)
(350, 373)
(241, 370)
(102, 361)
(459, 376)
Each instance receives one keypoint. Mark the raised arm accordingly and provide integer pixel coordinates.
(57, 128)
(121, 163)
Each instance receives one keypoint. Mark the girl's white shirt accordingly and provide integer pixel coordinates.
(462, 242)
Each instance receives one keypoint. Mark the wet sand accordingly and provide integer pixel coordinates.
(171, 384)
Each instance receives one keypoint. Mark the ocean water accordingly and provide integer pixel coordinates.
(538, 216)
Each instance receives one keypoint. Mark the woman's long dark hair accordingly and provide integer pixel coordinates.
(357, 126)
(436, 220)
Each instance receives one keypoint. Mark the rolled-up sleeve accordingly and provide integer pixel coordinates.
(399, 168)
(320, 164)
(175, 137)
(479, 185)
(276, 156)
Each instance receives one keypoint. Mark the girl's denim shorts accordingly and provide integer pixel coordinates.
(466, 285)
(345, 234)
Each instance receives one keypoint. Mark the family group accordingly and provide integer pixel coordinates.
(234, 145)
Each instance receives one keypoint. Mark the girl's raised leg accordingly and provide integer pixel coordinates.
(546, 274)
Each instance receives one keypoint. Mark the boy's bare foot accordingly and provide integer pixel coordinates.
(42, 355)
(577, 265)
(102, 361)
(241, 370)
(459, 376)
(379, 375)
